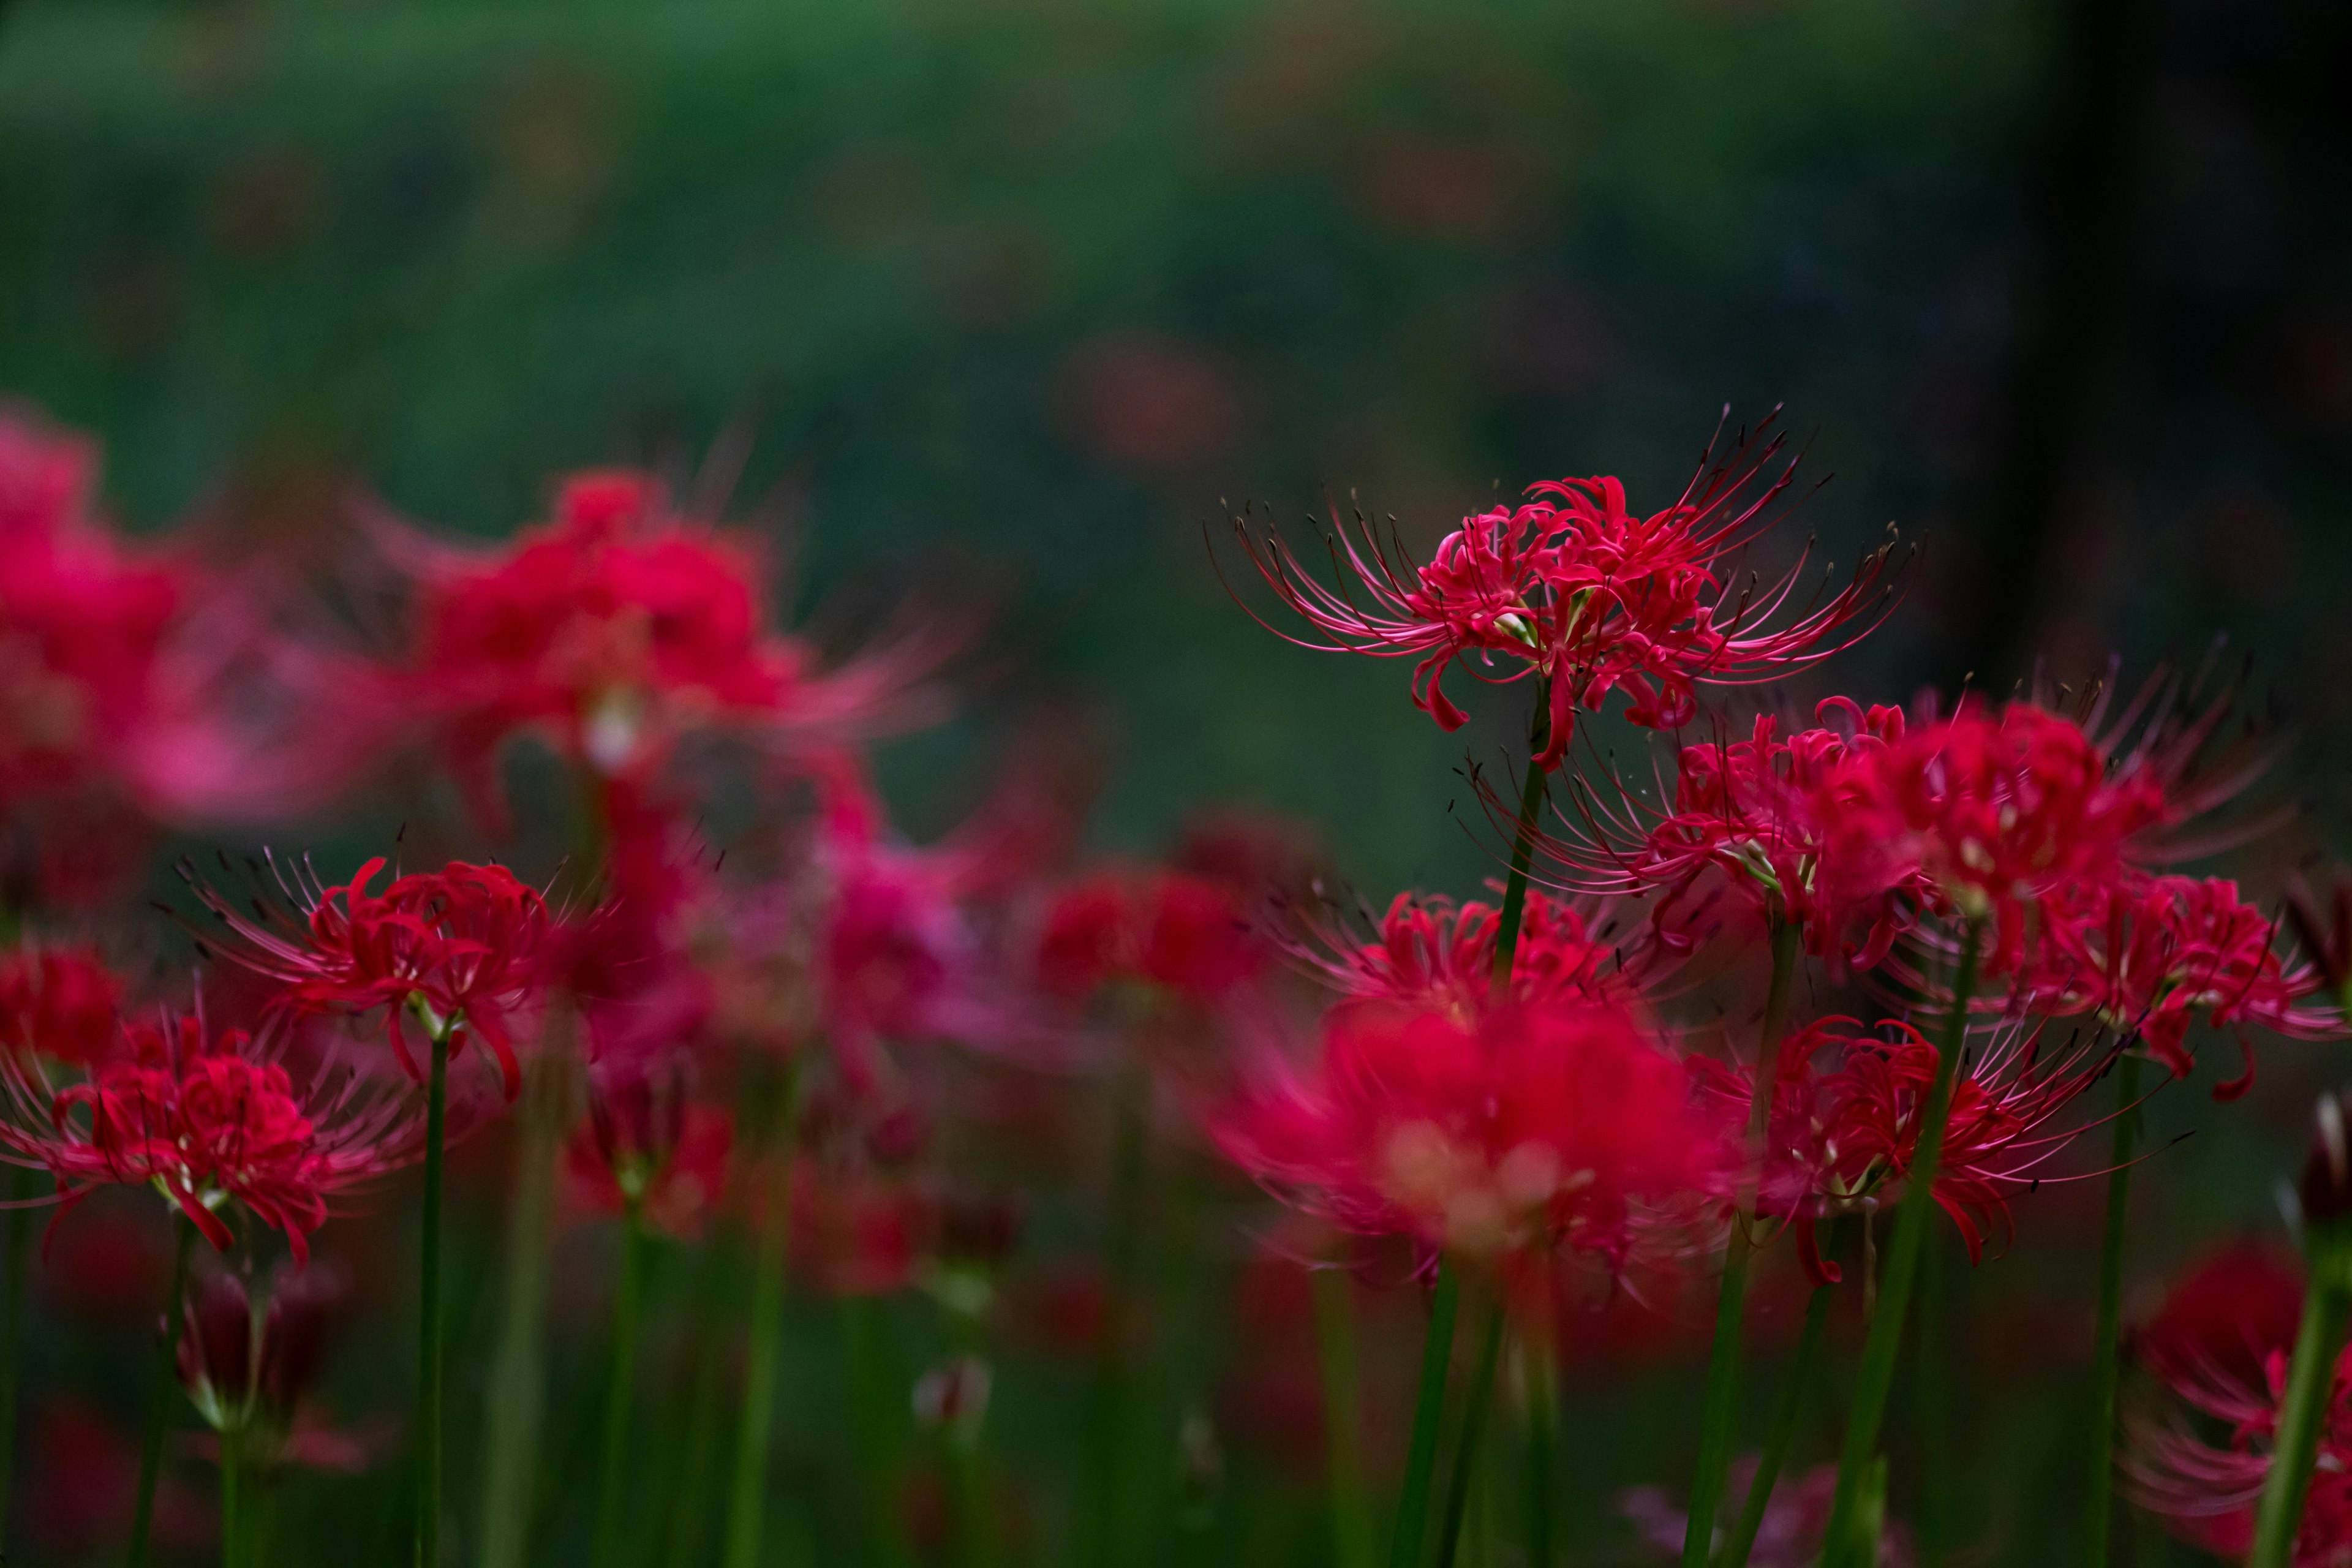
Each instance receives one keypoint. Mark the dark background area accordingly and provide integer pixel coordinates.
(2057, 288)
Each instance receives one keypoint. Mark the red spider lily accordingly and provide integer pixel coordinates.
(2230, 1307)
(80, 1483)
(58, 1002)
(678, 1169)
(465, 948)
(1431, 952)
(1844, 1123)
(621, 627)
(1574, 588)
(209, 1118)
(2205, 1487)
(1523, 1129)
(140, 688)
(1745, 810)
(1187, 935)
(902, 947)
(858, 1232)
(249, 1365)
(2145, 954)
(1996, 814)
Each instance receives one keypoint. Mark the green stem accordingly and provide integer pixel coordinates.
(23, 1186)
(159, 1395)
(1776, 1439)
(2096, 1505)
(1543, 1450)
(974, 1543)
(2310, 1380)
(1465, 1442)
(1931, 1405)
(610, 1487)
(1515, 889)
(428, 1336)
(747, 1494)
(1844, 1544)
(687, 1515)
(1421, 1458)
(1106, 1455)
(232, 1520)
(516, 1383)
(1343, 1448)
(864, 1367)
(1720, 1411)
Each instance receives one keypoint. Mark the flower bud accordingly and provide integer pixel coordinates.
(215, 1355)
(953, 1397)
(2326, 1187)
(2326, 1191)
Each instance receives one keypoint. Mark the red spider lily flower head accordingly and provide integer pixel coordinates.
(1845, 1115)
(2145, 955)
(136, 688)
(621, 627)
(1744, 812)
(81, 1482)
(1574, 588)
(1796, 1519)
(464, 948)
(60, 1003)
(2230, 1307)
(1431, 952)
(1185, 935)
(82, 627)
(247, 1364)
(668, 1153)
(856, 1232)
(2203, 1479)
(1514, 1133)
(1995, 811)
(903, 947)
(211, 1118)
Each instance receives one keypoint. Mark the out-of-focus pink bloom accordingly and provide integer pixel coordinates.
(1844, 1123)
(645, 1140)
(2230, 1307)
(248, 1367)
(901, 950)
(857, 1233)
(81, 1486)
(1431, 952)
(1796, 1520)
(1995, 813)
(622, 627)
(1521, 1131)
(111, 1265)
(1574, 588)
(465, 948)
(60, 1003)
(208, 1118)
(2227, 1361)
(1187, 935)
(1747, 811)
(137, 688)
(2146, 954)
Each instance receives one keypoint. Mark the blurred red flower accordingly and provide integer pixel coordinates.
(1521, 1131)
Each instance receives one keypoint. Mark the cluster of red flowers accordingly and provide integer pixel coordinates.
(1497, 1082)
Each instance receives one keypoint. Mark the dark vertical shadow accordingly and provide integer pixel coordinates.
(2069, 347)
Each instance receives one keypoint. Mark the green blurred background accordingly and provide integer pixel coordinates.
(2058, 288)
